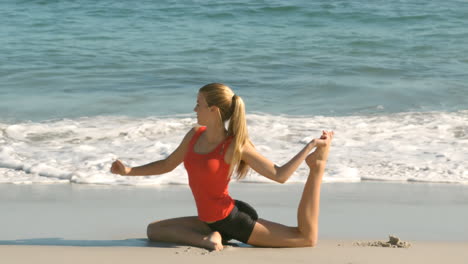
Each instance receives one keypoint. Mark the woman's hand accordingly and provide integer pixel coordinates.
(119, 168)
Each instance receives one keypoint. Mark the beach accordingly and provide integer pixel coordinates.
(94, 223)
(333, 252)
(84, 83)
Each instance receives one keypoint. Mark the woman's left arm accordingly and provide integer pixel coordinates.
(265, 167)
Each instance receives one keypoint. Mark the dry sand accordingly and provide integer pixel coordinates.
(342, 252)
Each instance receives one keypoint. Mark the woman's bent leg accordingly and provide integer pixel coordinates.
(309, 206)
(270, 234)
(185, 230)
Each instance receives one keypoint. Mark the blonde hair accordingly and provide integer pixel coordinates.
(232, 108)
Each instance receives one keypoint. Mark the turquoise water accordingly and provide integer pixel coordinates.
(85, 82)
(69, 59)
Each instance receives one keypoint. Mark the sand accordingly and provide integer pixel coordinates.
(351, 211)
(101, 224)
(331, 251)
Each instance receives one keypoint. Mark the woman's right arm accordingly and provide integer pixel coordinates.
(157, 167)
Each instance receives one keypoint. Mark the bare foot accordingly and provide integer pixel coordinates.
(323, 149)
(215, 241)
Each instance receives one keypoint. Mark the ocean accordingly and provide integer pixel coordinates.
(83, 83)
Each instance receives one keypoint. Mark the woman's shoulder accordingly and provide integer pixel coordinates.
(193, 131)
(197, 128)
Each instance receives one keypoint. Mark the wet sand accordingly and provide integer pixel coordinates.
(351, 211)
(69, 223)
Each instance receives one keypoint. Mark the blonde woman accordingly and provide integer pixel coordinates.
(211, 155)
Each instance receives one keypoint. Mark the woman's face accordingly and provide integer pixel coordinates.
(204, 112)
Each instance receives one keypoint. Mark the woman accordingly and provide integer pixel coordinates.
(211, 154)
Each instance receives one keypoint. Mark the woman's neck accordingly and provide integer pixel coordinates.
(215, 133)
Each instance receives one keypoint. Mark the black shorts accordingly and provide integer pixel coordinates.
(238, 225)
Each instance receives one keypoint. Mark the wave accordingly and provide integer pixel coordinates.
(404, 147)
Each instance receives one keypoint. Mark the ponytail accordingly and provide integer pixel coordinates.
(232, 108)
(238, 128)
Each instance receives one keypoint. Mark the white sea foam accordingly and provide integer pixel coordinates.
(407, 147)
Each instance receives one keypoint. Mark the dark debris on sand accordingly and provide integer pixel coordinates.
(394, 242)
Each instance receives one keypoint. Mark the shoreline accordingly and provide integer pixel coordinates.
(73, 223)
(349, 211)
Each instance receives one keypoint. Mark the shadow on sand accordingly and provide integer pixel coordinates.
(135, 242)
(138, 242)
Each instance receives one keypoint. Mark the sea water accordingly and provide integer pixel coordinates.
(83, 83)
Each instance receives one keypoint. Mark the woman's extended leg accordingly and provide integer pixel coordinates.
(185, 230)
(270, 234)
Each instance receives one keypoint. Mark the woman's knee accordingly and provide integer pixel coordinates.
(308, 240)
(149, 230)
(152, 229)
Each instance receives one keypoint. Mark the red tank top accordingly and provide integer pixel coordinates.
(208, 180)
